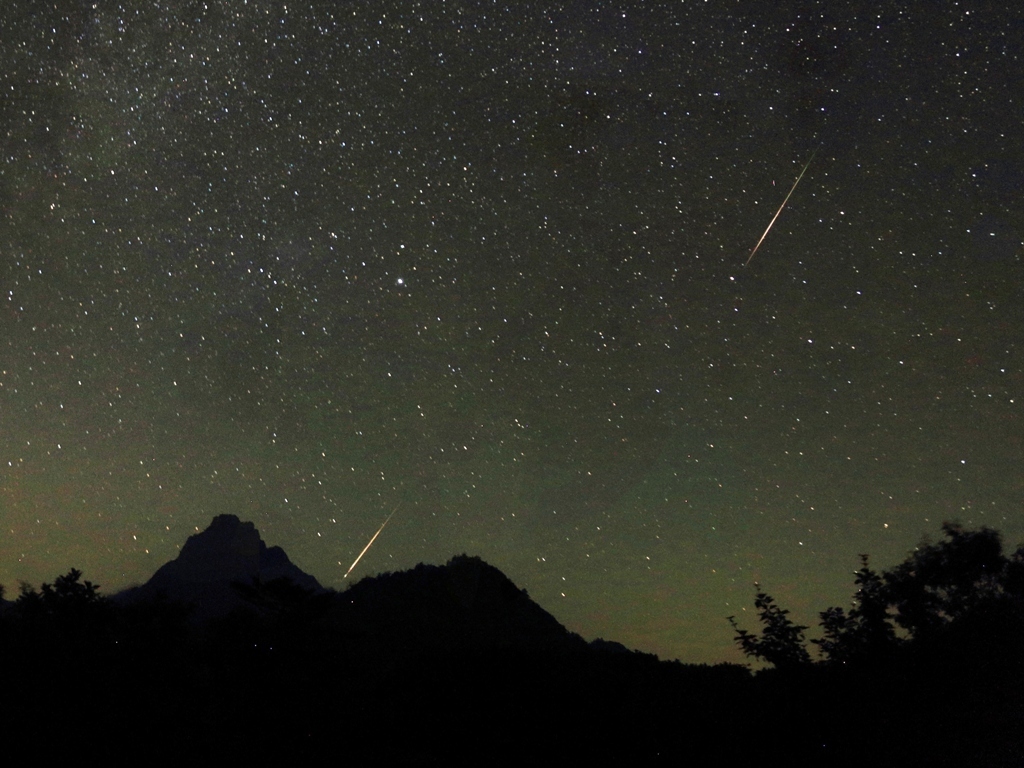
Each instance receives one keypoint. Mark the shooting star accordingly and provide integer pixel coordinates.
(772, 222)
(356, 562)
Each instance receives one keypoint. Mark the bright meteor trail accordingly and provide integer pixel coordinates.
(772, 222)
(356, 561)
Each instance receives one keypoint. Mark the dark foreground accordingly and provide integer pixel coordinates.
(454, 665)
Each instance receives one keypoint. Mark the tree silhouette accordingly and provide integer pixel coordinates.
(941, 583)
(69, 613)
(961, 587)
(780, 643)
(67, 597)
(865, 632)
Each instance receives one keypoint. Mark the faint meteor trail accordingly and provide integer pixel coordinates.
(772, 222)
(356, 561)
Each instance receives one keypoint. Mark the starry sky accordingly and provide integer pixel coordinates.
(482, 264)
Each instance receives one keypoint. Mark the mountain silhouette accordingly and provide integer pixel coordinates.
(454, 664)
(462, 605)
(214, 564)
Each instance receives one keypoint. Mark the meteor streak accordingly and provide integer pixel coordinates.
(772, 222)
(356, 562)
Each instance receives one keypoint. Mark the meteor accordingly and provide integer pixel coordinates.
(772, 222)
(356, 562)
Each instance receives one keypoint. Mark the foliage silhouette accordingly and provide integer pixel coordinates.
(453, 664)
(780, 643)
(69, 603)
(865, 633)
(942, 593)
(944, 582)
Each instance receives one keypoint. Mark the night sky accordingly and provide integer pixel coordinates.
(306, 262)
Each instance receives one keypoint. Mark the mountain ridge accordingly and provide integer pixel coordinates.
(464, 604)
(213, 562)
